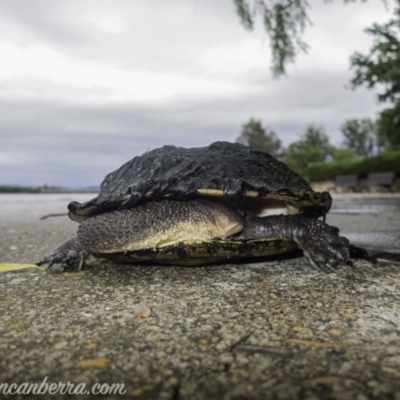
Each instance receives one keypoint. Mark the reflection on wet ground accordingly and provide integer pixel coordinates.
(376, 241)
(366, 206)
(381, 216)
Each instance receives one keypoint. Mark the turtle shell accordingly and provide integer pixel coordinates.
(223, 169)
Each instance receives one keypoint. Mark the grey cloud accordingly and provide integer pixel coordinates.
(74, 145)
(70, 143)
(161, 26)
(46, 20)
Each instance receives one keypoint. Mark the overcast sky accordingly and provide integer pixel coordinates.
(86, 85)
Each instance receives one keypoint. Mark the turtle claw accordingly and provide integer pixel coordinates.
(325, 250)
(320, 242)
(68, 257)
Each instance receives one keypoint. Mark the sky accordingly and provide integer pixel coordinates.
(87, 85)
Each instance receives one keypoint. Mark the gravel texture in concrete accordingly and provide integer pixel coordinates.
(272, 329)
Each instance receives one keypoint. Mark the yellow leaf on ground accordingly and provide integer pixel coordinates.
(7, 267)
(93, 363)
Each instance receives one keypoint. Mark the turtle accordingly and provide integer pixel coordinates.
(197, 206)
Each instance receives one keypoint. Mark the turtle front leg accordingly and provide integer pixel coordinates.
(70, 256)
(319, 241)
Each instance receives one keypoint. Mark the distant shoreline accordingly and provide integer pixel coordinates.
(45, 189)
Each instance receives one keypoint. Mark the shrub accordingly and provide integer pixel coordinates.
(384, 162)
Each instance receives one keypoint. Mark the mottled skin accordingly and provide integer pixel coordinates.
(196, 232)
(157, 224)
(153, 209)
(319, 241)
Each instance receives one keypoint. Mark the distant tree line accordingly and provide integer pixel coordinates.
(359, 140)
(18, 189)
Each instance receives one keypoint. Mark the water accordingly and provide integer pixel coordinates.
(57, 203)
(11, 198)
(14, 205)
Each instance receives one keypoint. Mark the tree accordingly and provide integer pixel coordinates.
(388, 127)
(340, 154)
(381, 68)
(284, 22)
(313, 146)
(316, 136)
(360, 136)
(254, 135)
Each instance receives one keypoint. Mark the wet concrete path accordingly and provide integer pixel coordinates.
(371, 224)
(273, 329)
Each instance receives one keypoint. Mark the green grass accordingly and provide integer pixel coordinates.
(384, 162)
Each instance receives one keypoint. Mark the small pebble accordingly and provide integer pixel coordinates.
(226, 358)
(352, 317)
(17, 281)
(90, 344)
(300, 329)
(346, 367)
(335, 332)
(142, 310)
(241, 359)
